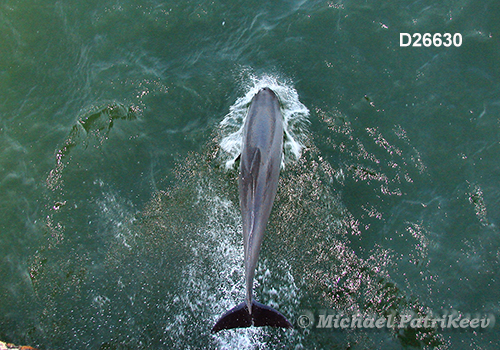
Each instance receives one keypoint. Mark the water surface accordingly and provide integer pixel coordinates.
(120, 224)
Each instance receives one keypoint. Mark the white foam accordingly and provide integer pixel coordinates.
(294, 113)
(215, 281)
(118, 215)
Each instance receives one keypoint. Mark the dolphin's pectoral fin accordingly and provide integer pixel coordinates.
(262, 315)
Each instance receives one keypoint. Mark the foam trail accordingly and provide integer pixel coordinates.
(295, 116)
(221, 245)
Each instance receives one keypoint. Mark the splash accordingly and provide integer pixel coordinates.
(211, 268)
(295, 118)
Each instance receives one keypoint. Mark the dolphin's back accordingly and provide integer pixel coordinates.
(264, 125)
(259, 173)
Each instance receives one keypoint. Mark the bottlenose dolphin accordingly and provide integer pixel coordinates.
(260, 163)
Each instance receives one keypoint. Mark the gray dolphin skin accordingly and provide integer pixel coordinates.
(260, 163)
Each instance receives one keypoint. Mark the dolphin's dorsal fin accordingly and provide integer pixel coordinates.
(255, 163)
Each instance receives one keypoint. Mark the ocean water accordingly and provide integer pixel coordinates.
(119, 125)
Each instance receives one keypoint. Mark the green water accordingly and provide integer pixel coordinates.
(120, 224)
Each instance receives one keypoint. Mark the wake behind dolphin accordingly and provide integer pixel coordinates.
(260, 163)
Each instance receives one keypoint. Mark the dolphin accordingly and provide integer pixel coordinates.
(260, 163)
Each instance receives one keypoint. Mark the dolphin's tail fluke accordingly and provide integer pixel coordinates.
(262, 315)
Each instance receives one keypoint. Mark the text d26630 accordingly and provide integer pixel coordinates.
(428, 39)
